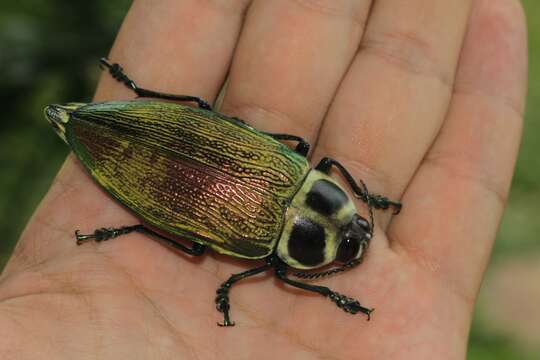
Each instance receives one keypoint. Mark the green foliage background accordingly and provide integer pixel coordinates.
(48, 54)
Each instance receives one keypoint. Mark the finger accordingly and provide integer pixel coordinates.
(171, 46)
(395, 95)
(290, 59)
(456, 199)
(179, 47)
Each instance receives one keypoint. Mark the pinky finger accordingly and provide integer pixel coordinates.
(456, 199)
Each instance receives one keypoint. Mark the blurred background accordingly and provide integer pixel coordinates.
(48, 54)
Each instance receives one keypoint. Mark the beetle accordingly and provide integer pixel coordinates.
(216, 182)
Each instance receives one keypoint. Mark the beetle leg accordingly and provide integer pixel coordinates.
(238, 120)
(302, 147)
(377, 201)
(222, 298)
(103, 234)
(195, 250)
(117, 72)
(345, 303)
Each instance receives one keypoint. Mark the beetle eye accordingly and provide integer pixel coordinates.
(348, 249)
(364, 224)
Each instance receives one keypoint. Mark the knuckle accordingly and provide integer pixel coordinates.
(509, 13)
(464, 170)
(270, 118)
(356, 11)
(408, 51)
(376, 179)
(230, 6)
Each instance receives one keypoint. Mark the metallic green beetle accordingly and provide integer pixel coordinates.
(217, 182)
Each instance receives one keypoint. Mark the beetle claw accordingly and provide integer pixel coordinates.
(349, 305)
(104, 63)
(81, 239)
(226, 323)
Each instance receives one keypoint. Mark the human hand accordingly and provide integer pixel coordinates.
(407, 106)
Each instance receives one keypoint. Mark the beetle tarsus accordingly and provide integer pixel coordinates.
(104, 234)
(348, 304)
(345, 303)
(222, 302)
(117, 72)
(98, 235)
(383, 203)
(222, 298)
(223, 306)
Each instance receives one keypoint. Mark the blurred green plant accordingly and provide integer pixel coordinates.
(49, 52)
(521, 225)
(484, 345)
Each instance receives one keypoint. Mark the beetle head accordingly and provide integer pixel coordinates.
(58, 116)
(354, 239)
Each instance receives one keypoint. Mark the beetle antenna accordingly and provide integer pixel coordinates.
(318, 275)
(370, 207)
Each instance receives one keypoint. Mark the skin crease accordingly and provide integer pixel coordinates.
(421, 99)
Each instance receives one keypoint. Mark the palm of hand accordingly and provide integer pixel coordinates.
(133, 298)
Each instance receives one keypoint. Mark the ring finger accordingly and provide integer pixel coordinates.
(394, 97)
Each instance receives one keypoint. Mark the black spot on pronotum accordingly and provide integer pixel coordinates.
(325, 197)
(307, 242)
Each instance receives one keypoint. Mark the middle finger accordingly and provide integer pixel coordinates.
(289, 61)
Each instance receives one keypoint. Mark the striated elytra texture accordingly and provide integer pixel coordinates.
(190, 172)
